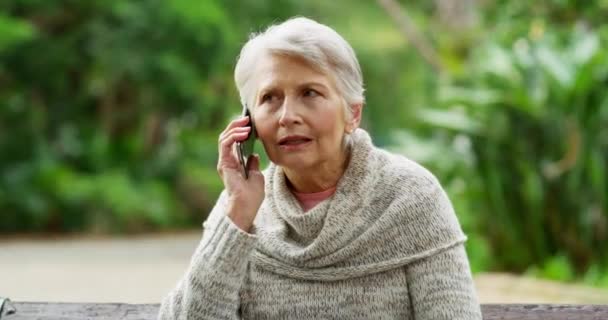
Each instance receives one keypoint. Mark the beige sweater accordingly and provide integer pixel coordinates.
(386, 245)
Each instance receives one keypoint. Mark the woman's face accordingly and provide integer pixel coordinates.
(293, 99)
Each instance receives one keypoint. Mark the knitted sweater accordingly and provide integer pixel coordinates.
(386, 245)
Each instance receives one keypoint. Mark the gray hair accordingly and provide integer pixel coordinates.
(319, 45)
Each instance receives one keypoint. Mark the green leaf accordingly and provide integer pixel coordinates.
(585, 46)
(556, 66)
(474, 96)
(14, 31)
(450, 119)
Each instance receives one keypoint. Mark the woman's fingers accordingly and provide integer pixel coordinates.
(233, 131)
(237, 130)
(240, 122)
(234, 135)
(226, 143)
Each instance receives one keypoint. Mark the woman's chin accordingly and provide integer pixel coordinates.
(294, 163)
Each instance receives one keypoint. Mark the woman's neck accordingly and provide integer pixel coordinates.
(318, 179)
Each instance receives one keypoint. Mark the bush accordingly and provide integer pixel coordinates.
(110, 110)
(536, 116)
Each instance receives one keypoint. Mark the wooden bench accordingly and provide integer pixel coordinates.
(123, 311)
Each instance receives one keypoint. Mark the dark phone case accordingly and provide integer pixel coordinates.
(246, 148)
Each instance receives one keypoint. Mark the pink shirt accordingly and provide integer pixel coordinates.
(309, 200)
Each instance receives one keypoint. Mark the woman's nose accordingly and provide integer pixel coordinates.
(289, 113)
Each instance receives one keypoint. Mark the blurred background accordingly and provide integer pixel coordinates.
(110, 112)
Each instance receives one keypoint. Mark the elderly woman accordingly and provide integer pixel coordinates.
(334, 228)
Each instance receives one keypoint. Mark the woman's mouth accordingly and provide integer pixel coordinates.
(294, 144)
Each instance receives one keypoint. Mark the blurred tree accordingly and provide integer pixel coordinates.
(109, 110)
(528, 100)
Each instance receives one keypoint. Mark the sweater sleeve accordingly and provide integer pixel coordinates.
(210, 287)
(441, 287)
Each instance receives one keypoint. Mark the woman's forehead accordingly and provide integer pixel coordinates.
(280, 70)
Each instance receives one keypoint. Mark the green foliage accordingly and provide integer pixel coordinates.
(536, 115)
(110, 110)
(13, 31)
(595, 276)
(556, 268)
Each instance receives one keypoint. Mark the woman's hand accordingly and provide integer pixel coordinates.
(245, 196)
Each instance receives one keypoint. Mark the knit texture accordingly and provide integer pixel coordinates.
(386, 245)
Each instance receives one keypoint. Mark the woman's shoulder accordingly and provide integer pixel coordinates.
(417, 194)
(402, 173)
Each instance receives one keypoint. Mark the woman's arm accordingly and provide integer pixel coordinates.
(441, 287)
(210, 287)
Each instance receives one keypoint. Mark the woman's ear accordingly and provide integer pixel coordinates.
(355, 119)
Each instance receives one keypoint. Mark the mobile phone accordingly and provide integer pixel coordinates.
(245, 148)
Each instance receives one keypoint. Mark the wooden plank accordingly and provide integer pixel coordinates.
(544, 312)
(73, 311)
(122, 311)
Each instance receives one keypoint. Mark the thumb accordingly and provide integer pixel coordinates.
(253, 164)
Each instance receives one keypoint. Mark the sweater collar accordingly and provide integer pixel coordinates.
(349, 234)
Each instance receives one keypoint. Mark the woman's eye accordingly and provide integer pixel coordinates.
(310, 93)
(266, 97)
